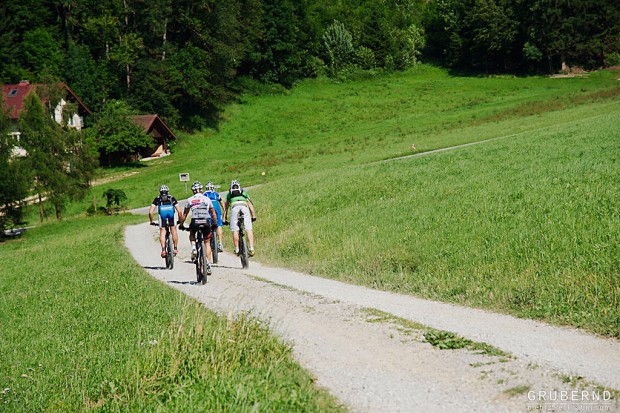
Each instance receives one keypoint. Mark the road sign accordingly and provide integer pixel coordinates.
(184, 177)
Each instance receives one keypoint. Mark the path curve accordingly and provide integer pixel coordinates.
(383, 367)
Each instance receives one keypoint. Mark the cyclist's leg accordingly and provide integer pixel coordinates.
(175, 235)
(247, 222)
(234, 227)
(192, 238)
(162, 233)
(207, 238)
(219, 230)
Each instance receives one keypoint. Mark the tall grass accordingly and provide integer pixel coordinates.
(528, 225)
(84, 329)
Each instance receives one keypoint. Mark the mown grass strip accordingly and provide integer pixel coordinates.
(527, 226)
(84, 328)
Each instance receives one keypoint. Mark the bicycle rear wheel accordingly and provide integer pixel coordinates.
(169, 251)
(204, 263)
(200, 267)
(243, 251)
(214, 243)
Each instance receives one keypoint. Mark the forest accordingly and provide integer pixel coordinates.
(186, 59)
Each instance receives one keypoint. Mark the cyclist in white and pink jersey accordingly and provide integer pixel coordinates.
(203, 218)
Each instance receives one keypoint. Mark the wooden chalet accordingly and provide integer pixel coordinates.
(154, 126)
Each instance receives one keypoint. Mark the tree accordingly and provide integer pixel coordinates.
(114, 136)
(15, 177)
(46, 154)
(339, 45)
(41, 52)
(61, 163)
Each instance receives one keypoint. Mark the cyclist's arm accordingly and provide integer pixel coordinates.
(225, 214)
(183, 216)
(178, 208)
(251, 206)
(151, 212)
(213, 214)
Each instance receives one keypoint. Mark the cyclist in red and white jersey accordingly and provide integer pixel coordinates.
(203, 215)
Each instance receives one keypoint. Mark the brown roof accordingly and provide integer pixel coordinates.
(14, 96)
(151, 122)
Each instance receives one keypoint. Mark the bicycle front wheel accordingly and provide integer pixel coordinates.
(169, 252)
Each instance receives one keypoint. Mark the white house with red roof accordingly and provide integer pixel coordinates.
(14, 96)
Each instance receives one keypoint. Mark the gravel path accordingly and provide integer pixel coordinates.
(374, 365)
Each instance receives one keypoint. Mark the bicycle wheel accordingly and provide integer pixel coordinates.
(203, 263)
(243, 251)
(169, 251)
(214, 250)
(200, 267)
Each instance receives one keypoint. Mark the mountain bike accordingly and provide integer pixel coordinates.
(202, 265)
(243, 242)
(169, 244)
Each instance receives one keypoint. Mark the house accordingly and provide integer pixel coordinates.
(15, 95)
(154, 126)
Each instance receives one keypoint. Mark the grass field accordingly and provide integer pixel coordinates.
(85, 329)
(526, 224)
(323, 125)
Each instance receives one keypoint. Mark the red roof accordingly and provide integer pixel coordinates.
(150, 122)
(14, 96)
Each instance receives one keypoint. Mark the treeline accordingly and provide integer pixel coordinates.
(185, 59)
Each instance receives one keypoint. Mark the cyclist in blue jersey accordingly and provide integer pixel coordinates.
(216, 200)
(166, 205)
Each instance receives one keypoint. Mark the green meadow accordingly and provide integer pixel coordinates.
(84, 328)
(525, 222)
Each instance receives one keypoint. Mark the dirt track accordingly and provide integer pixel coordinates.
(384, 367)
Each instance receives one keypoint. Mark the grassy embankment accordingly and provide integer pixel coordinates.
(527, 224)
(85, 329)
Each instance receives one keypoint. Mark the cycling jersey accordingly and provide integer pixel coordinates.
(244, 197)
(165, 208)
(215, 201)
(199, 205)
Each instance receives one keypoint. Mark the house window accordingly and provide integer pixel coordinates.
(12, 93)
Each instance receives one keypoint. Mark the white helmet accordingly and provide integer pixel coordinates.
(234, 185)
(163, 189)
(209, 187)
(197, 187)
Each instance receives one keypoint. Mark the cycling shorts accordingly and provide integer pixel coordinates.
(234, 215)
(203, 225)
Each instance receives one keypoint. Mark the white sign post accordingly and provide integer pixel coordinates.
(184, 177)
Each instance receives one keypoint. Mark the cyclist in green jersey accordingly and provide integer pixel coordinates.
(237, 200)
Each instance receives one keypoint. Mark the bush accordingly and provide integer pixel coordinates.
(115, 199)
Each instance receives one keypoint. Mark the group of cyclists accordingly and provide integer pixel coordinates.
(207, 214)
